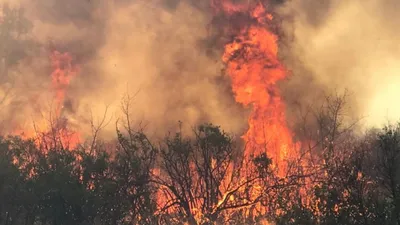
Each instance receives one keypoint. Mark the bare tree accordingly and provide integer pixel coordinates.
(205, 180)
(134, 160)
(388, 166)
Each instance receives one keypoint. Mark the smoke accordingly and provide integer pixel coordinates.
(158, 52)
(152, 51)
(337, 45)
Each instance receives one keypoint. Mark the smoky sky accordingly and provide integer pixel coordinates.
(158, 52)
(166, 54)
(331, 46)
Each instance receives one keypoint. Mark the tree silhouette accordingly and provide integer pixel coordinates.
(205, 180)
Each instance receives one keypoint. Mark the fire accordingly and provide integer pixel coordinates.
(252, 63)
(63, 72)
(54, 130)
(254, 68)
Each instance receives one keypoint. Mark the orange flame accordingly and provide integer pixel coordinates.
(57, 132)
(253, 65)
(63, 72)
(255, 70)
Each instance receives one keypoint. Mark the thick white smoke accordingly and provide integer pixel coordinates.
(350, 44)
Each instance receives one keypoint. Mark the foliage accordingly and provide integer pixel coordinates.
(199, 179)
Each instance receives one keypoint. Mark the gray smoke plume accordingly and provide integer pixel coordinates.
(336, 45)
(161, 53)
(151, 50)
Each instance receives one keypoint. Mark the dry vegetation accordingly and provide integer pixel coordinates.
(204, 177)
